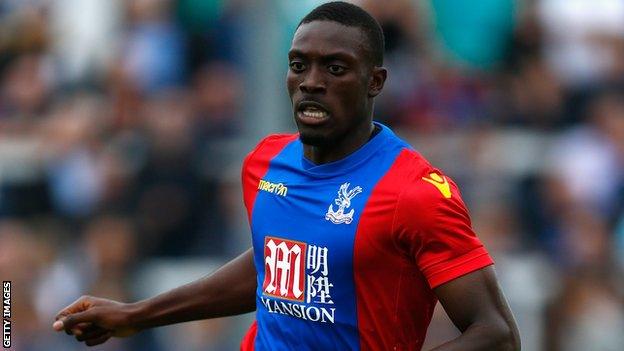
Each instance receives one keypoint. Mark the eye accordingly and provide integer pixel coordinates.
(336, 69)
(297, 66)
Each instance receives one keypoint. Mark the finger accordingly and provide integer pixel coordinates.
(77, 306)
(58, 325)
(64, 312)
(72, 320)
(80, 328)
(86, 327)
(100, 340)
(76, 330)
(94, 334)
(61, 314)
(91, 333)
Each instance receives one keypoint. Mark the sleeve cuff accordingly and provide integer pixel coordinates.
(443, 272)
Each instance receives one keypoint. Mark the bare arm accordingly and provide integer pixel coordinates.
(228, 291)
(476, 305)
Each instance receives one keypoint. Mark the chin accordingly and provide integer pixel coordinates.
(314, 139)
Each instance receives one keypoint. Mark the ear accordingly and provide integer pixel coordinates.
(377, 81)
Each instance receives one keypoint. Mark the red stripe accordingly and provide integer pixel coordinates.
(256, 165)
(393, 245)
(391, 292)
(249, 340)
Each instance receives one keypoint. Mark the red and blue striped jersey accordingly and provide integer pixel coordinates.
(347, 253)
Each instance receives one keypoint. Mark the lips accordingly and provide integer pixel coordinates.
(312, 112)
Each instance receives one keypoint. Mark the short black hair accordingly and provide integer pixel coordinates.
(351, 16)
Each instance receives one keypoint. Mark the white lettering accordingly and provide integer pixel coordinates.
(296, 311)
(266, 304)
(6, 339)
(287, 308)
(317, 259)
(327, 315)
(6, 314)
(318, 284)
(300, 311)
(276, 308)
(309, 314)
(270, 261)
(279, 263)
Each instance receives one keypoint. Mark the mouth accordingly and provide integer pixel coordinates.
(312, 113)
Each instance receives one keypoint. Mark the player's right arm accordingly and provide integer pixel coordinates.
(228, 291)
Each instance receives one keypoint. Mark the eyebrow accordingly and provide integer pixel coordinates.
(336, 55)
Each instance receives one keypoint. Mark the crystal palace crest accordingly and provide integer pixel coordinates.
(344, 202)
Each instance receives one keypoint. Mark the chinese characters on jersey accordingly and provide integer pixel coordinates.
(298, 272)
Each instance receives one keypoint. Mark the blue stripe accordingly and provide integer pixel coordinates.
(300, 216)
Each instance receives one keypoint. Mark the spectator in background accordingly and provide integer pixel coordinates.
(106, 104)
(217, 92)
(583, 46)
(72, 147)
(104, 261)
(407, 53)
(216, 30)
(591, 150)
(443, 81)
(171, 194)
(583, 40)
(574, 201)
(24, 27)
(619, 242)
(84, 38)
(110, 249)
(535, 97)
(25, 91)
(25, 97)
(153, 50)
(587, 315)
(22, 257)
(473, 35)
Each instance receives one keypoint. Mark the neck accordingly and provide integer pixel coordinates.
(341, 148)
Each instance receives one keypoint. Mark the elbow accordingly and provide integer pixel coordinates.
(506, 337)
(495, 336)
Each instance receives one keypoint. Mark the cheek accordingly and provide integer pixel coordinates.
(291, 83)
(351, 95)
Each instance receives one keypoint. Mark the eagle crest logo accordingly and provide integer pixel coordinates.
(344, 202)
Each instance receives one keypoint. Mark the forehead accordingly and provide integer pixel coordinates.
(328, 38)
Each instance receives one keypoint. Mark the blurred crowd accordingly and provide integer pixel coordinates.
(123, 124)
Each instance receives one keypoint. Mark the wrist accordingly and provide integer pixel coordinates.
(136, 315)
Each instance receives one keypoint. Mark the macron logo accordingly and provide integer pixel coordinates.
(440, 183)
(273, 188)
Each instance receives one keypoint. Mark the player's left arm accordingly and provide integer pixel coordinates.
(476, 305)
(434, 226)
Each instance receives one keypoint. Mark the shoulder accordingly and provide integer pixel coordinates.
(425, 190)
(258, 161)
(410, 163)
(419, 179)
(268, 147)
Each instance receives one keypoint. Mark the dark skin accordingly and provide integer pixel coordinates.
(329, 66)
(334, 81)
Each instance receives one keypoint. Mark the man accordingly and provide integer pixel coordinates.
(355, 235)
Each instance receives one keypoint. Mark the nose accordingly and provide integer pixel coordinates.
(312, 82)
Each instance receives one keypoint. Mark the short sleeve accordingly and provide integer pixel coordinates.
(256, 164)
(434, 229)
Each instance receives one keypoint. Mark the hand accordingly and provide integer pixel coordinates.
(95, 320)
